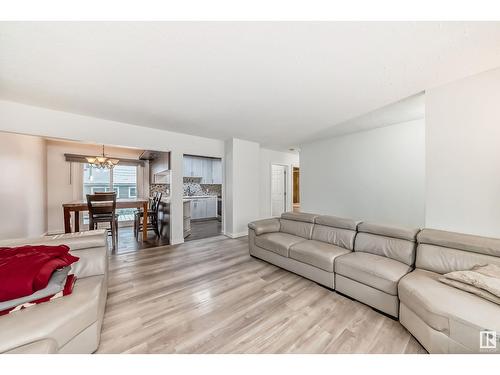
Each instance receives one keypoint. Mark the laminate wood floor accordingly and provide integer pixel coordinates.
(204, 229)
(128, 243)
(210, 296)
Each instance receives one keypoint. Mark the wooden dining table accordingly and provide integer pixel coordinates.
(81, 205)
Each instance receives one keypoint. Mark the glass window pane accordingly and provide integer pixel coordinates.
(94, 180)
(125, 185)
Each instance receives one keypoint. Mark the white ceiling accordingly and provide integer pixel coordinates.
(277, 83)
(407, 109)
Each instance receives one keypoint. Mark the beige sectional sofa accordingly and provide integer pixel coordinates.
(375, 264)
(303, 243)
(382, 256)
(445, 319)
(70, 324)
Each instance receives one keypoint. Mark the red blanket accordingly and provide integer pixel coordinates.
(26, 269)
(67, 290)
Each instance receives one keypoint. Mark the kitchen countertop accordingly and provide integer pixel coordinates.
(167, 200)
(188, 198)
(199, 196)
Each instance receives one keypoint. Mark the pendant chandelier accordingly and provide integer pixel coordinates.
(102, 161)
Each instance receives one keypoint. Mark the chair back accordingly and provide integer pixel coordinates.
(102, 203)
(156, 202)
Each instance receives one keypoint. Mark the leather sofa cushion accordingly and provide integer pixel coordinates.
(442, 252)
(394, 248)
(47, 346)
(278, 242)
(460, 241)
(336, 222)
(335, 236)
(317, 254)
(373, 270)
(75, 241)
(296, 228)
(443, 260)
(408, 234)
(299, 216)
(93, 262)
(61, 319)
(265, 226)
(458, 314)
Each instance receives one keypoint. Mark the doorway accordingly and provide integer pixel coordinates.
(203, 182)
(278, 189)
(296, 189)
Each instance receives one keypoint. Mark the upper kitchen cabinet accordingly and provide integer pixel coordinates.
(208, 169)
(197, 170)
(193, 166)
(159, 166)
(217, 171)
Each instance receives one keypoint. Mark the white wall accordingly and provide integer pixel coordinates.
(26, 119)
(267, 158)
(242, 186)
(375, 175)
(64, 180)
(463, 155)
(22, 191)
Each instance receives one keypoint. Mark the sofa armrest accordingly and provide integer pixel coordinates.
(76, 241)
(44, 346)
(265, 226)
(90, 246)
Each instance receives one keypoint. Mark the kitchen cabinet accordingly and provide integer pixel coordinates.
(197, 169)
(206, 175)
(210, 170)
(159, 172)
(217, 171)
(211, 210)
(161, 178)
(198, 208)
(193, 166)
(188, 166)
(204, 208)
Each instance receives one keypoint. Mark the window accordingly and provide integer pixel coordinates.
(122, 179)
(97, 189)
(116, 190)
(95, 179)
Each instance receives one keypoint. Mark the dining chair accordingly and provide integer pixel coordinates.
(152, 219)
(102, 209)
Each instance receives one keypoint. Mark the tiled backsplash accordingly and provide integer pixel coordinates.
(190, 184)
(195, 188)
(160, 188)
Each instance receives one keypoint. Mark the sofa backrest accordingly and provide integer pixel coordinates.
(299, 224)
(90, 246)
(392, 242)
(75, 241)
(442, 252)
(335, 230)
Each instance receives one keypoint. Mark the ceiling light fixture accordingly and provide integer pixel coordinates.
(102, 161)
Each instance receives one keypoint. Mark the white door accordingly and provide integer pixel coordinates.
(278, 189)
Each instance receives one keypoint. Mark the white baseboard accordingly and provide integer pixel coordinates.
(177, 241)
(236, 235)
(54, 232)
